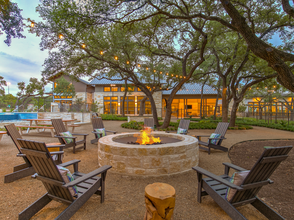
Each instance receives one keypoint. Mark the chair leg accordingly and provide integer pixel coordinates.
(78, 203)
(266, 210)
(74, 149)
(20, 167)
(85, 143)
(19, 174)
(199, 177)
(208, 149)
(34, 208)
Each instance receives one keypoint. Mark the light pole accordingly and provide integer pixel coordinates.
(8, 83)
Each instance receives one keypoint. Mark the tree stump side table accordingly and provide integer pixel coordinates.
(160, 201)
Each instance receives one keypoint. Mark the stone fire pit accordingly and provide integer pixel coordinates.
(148, 160)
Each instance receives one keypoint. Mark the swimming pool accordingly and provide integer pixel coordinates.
(7, 116)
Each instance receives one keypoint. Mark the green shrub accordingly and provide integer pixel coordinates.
(113, 117)
(3, 109)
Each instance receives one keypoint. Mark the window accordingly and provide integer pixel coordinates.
(114, 89)
(129, 107)
(131, 89)
(139, 89)
(122, 89)
(106, 89)
(147, 105)
(110, 105)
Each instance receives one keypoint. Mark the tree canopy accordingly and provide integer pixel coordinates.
(11, 21)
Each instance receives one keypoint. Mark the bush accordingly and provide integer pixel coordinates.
(113, 117)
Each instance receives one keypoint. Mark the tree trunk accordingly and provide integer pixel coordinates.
(124, 98)
(215, 107)
(234, 114)
(201, 102)
(142, 106)
(260, 111)
(224, 104)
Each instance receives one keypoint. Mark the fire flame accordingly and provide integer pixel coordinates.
(145, 137)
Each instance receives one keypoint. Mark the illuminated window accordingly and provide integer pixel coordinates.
(122, 89)
(114, 89)
(139, 89)
(114, 98)
(55, 84)
(69, 97)
(57, 96)
(106, 98)
(131, 89)
(106, 89)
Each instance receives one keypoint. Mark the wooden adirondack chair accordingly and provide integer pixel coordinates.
(221, 129)
(216, 186)
(57, 189)
(184, 124)
(26, 169)
(149, 122)
(59, 127)
(98, 123)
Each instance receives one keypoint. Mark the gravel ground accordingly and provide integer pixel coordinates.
(124, 195)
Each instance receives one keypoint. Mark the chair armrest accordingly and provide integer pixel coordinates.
(234, 167)
(202, 136)
(21, 155)
(215, 177)
(88, 176)
(56, 152)
(52, 146)
(81, 134)
(65, 137)
(68, 163)
(96, 132)
(114, 132)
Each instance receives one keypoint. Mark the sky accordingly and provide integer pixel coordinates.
(24, 59)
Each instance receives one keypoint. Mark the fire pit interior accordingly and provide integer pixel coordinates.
(175, 154)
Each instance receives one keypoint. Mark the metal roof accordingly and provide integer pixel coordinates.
(193, 89)
(114, 80)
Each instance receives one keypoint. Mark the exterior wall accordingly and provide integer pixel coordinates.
(82, 95)
(79, 116)
(89, 98)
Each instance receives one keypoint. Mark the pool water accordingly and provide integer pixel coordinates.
(17, 116)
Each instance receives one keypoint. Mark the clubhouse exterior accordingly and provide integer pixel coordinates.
(108, 95)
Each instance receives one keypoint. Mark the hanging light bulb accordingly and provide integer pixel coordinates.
(115, 57)
(177, 76)
(172, 74)
(32, 24)
(160, 72)
(181, 77)
(60, 36)
(101, 52)
(128, 62)
(167, 74)
(184, 77)
(139, 65)
(147, 68)
(154, 71)
(83, 45)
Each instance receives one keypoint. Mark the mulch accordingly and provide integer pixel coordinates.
(280, 195)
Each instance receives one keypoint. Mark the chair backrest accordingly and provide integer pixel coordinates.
(14, 134)
(48, 173)
(221, 129)
(149, 122)
(261, 171)
(97, 123)
(58, 126)
(95, 115)
(184, 124)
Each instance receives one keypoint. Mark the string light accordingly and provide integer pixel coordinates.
(128, 62)
(181, 77)
(184, 77)
(32, 24)
(167, 74)
(139, 65)
(83, 45)
(61, 36)
(147, 68)
(101, 52)
(274, 86)
(160, 72)
(177, 76)
(154, 71)
(115, 57)
(172, 74)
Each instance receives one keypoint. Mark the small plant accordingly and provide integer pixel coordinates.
(3, 109)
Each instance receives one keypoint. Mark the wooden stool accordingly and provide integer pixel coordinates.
(160, 201)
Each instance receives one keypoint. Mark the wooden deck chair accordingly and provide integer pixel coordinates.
(221, 129)
(258, 176)
(97, 123)
(95, 115)
(26, 169)
(56, 186)
(183, 127)
(149, 122)
(60, 128)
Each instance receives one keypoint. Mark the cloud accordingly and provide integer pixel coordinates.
(16, 59)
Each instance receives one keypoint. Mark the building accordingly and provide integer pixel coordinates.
(108, 95)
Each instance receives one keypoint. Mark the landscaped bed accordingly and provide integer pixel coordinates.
(280, 194)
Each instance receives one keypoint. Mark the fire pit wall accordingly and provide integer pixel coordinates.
(149, 160)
